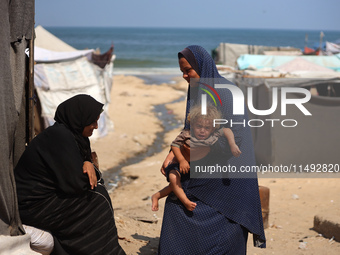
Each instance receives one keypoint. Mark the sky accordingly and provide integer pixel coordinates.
(261, 14)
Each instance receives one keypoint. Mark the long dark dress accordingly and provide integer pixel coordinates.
(227, 208)
(54, 195)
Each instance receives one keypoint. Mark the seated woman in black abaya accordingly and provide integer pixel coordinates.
(58, 187)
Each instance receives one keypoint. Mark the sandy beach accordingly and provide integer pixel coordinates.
(293, 202)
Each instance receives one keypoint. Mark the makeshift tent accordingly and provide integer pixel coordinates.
(62, 72)
(314, 140)
(227, 53)
(262, 61)
(296, 68)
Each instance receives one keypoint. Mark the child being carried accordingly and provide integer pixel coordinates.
(202, 136)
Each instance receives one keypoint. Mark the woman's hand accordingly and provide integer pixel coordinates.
(89, 170)
(166, 162)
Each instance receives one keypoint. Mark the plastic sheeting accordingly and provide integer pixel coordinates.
(46, 40)
(263, 61)
(227, 53)
(62, 72)
(44, 55)
(58, 81)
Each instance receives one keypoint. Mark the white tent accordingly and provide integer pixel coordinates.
(46, 40)
(61, 72)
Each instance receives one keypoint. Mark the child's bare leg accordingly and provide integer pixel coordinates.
(158, 195)
(176, 187)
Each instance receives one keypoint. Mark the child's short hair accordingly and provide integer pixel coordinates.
(212, 113)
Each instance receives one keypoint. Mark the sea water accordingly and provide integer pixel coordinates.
(149, 51)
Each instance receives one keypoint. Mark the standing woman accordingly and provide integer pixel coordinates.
(227, 208)
(57, 184)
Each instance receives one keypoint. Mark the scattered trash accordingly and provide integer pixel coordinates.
(132, 177)
(275, 226)
(295, 197)
(123, 136)
(303, 245)
(124, 238)
(146, 220)
(125, 94)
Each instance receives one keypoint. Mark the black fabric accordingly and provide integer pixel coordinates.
(77, 113)
(51, 163)
(85, 226)
(53, 192)
(102, 60)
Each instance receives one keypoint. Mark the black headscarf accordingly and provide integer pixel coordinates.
(76, 113)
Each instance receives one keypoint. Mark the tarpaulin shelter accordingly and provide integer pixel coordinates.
(228, 53)
(16, 35)
(262, 61)
(314, 140)
(278, 142)
(297, 67)
(61, 72)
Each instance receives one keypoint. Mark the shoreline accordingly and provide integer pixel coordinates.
(134, 213)
(127, 138)
(293, 202)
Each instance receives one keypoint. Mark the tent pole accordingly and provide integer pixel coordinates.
(30, 93)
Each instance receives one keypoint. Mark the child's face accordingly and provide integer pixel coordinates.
(202, 128)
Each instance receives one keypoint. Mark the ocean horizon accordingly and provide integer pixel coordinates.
(143, 51)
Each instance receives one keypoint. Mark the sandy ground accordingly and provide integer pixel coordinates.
(293, 202)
